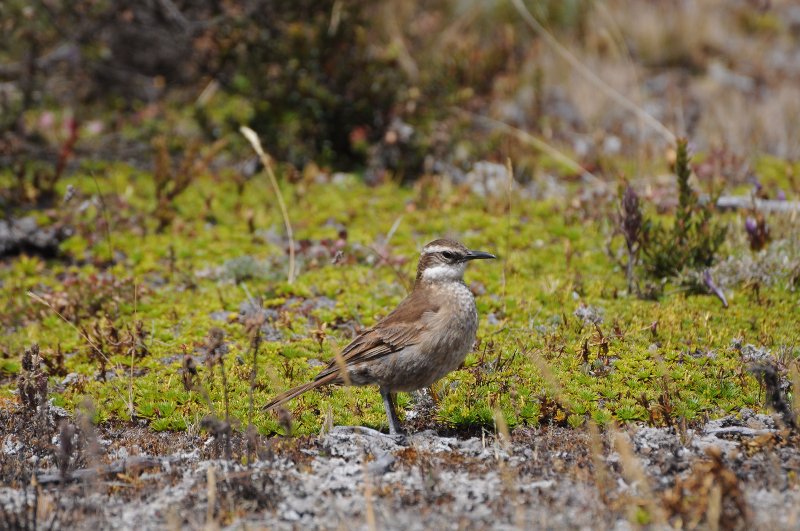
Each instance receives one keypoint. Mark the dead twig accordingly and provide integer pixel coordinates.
(734, 202)
(712, 286)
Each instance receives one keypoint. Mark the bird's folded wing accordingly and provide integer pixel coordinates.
(398, 330)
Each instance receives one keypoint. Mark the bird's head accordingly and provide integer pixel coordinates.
(445, 261)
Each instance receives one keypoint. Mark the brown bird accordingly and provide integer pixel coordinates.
(427, 336)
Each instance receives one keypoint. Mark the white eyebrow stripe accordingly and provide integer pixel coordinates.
(436, 249)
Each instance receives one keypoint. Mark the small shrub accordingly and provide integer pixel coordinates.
(693, 239)
(172, 180)
(322, 89)
(35, 181)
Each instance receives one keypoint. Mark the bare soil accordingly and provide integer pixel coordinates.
(737, 472)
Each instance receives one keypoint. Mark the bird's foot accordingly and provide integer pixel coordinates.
(397, 438)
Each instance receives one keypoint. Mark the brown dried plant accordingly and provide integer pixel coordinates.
(171, 180)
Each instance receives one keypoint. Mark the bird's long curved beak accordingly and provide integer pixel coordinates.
(478, 255)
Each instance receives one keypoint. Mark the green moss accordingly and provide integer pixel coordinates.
(775, 173)
(9, 366)
(175, 284)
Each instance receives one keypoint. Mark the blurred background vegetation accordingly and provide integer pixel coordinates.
(396, 89)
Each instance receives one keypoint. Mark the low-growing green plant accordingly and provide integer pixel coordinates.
(601, 352)
(602, 417)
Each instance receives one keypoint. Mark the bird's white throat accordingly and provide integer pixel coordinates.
(444, 272)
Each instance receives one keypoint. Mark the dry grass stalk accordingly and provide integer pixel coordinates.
(508, 474)
(341, 363)
(634, 474)
(531, 140)
(369, 509)
(590, 76)
(252, 137)
(509, 192)
(211, 486)
(602, 478)
(551, 382)
(714, 511)
(711, 494)
(501, 427)
(106, 217)
(794, 371)
(253, 329)
(326, 426)
(131, 405)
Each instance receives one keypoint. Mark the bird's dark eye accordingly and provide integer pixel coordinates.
(448, 255)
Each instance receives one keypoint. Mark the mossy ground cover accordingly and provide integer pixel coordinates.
(560, 341)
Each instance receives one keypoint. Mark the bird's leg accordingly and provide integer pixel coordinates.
(395, 433)
(391, 414)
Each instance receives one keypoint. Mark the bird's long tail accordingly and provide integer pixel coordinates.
(299, 390)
